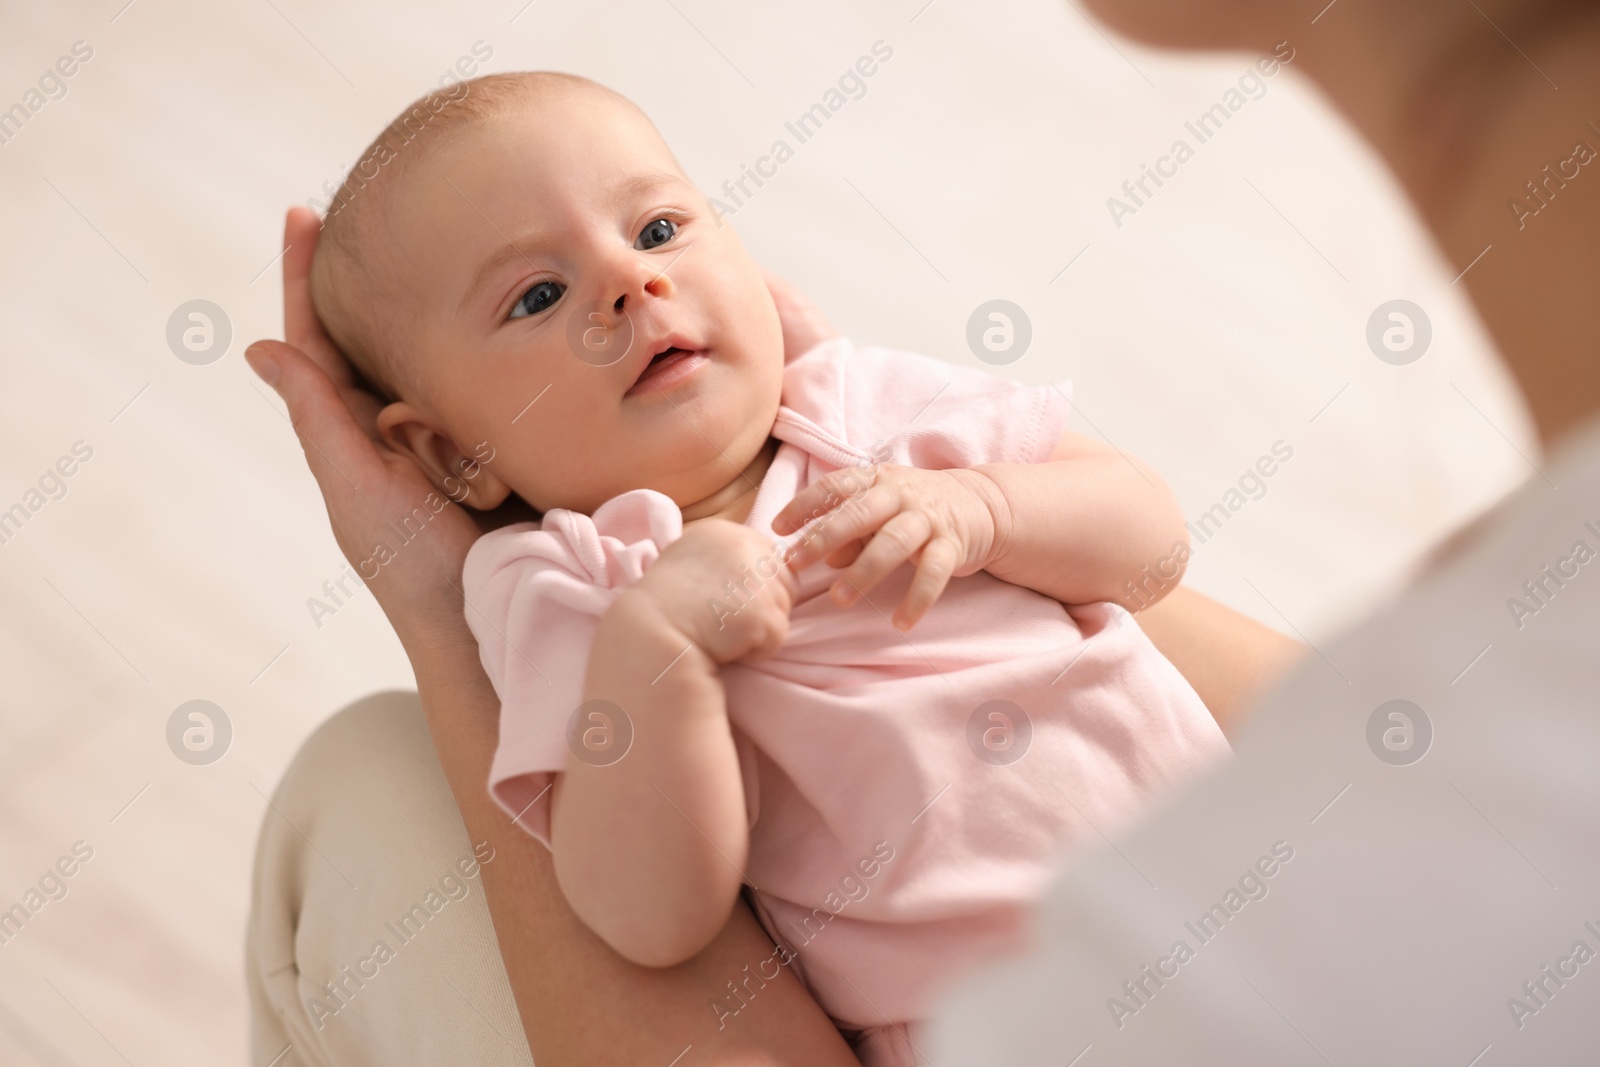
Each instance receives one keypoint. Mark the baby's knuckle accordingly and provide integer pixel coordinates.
(898, 538)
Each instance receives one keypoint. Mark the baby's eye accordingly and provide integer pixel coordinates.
(656, 233)
(538, 298)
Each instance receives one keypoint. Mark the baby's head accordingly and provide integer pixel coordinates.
(505, 266)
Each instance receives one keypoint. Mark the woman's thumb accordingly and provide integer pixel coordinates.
(305, 389)
(264, 361)
(286, 369)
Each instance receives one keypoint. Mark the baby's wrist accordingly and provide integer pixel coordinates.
(986, 487)
(645, 662)
(666, 610)
(638, 619)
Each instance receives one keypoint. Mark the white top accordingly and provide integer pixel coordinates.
(1321, 900)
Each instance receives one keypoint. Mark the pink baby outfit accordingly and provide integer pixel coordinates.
(909, 795)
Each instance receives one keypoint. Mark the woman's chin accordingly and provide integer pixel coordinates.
(1182, 24)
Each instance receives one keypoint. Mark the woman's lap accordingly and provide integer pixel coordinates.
(350, 962)
(369, 939)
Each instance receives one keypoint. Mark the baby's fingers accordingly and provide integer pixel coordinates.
(895, 543)
(854, 520)
(845, 554)
(934, 569)
(820, 497)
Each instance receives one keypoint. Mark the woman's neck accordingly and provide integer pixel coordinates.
(1491, 94)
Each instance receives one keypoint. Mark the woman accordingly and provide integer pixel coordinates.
(1461, 116)
(1399, 866)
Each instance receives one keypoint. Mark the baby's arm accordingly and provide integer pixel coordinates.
(1089, 524)
(649, 850)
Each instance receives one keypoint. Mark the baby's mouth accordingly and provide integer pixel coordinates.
(660, 362)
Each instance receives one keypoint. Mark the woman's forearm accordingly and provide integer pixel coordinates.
(581, 1002)
(1228, 658)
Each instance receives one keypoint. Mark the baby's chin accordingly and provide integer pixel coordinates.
(704, 439)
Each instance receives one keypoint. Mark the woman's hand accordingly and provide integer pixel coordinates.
(804, 327)
(405, 539)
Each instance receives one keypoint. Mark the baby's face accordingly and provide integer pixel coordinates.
(545, 258)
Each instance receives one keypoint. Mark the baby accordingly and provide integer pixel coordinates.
(831, 628)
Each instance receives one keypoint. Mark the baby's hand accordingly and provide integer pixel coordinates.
(950, 523)
(723, 587)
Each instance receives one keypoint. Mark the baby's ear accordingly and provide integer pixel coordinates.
(458, 474)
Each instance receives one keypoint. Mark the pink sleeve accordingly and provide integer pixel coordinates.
(533, 640)
(534, 596)
(934, 415)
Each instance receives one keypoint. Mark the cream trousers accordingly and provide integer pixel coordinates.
(369, 940)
